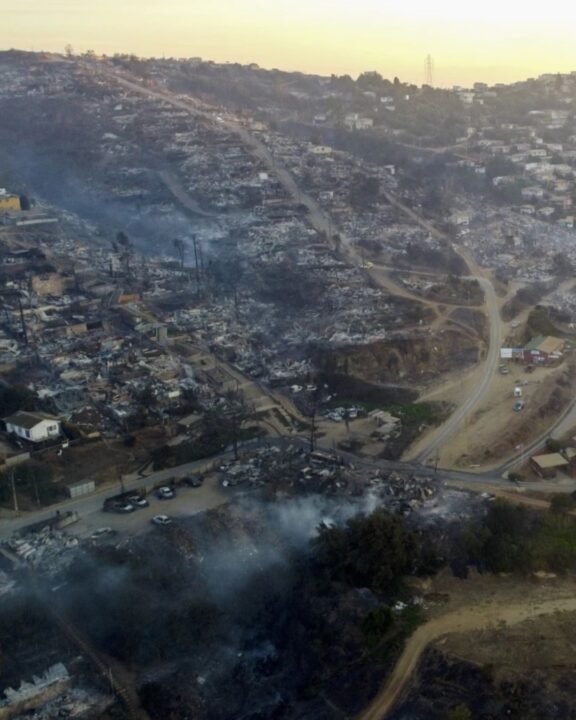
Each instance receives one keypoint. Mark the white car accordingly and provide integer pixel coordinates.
(138, 501)
(161, 520)
(165, 493)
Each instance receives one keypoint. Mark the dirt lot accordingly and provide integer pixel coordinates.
(482, 590)
(495, 432)
(471, 618)
(544, 643)
(103, 461)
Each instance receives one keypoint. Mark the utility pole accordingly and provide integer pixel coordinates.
(201, 254)
(14, 494)
(11, 294)
(196, 265)
(313, 430)
(24, 332)
(35, 484)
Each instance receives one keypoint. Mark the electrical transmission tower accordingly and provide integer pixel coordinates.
(429, 71)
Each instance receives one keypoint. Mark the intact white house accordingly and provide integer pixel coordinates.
(33, 426)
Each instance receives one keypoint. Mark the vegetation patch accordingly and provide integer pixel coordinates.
(415, 417)
(524, 298)
(514, 539)
(457, 291)
(377, 552)
(30, 483)
(540, 323)
(370, 396)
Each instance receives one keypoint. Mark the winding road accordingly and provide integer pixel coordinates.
(473, 401)
(477, 617)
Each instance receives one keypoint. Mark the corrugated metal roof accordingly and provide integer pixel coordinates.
(551, 460)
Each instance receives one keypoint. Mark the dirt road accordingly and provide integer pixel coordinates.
(462, 620)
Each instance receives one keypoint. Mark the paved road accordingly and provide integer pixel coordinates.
(191, 500)
(565, 423)
(447, 430)
(90, 507)
(473, 401)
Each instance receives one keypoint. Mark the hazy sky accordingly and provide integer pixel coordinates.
(491, 40)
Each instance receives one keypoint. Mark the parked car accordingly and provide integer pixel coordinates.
(161, 520)
(193, 481)
(165, 493)
(119, 507)
(518, 406)
(139, 501)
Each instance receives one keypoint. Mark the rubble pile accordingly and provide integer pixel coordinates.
(405, 493)
(512, 242)
(100, 302)
(48, 551)
(263, 466)
(7, 584)
(73, 703)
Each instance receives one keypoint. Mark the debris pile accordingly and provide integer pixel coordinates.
(48, 551)
(404, 493)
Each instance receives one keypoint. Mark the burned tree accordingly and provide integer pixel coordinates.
(227, 419)
(125, 249)
(180, 247)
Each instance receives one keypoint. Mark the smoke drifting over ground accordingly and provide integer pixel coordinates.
(219, 604)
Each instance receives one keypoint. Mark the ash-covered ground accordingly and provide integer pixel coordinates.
(235, 612)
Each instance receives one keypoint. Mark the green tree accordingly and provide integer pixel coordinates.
(562, 503)
(370, 80)
(374, 551)
(554, 446)
(376, 624)
(32, 482)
